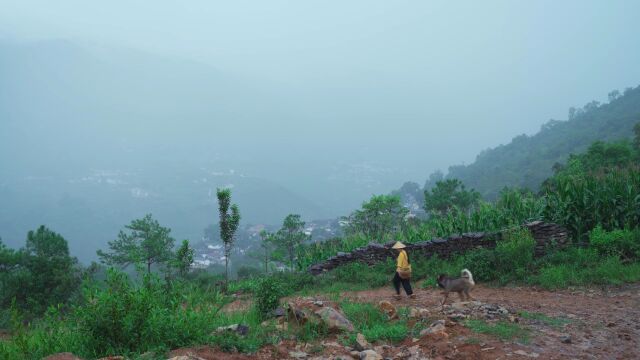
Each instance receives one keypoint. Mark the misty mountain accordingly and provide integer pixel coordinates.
(93, 137)
(527, 161)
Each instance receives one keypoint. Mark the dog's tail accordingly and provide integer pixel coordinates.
(465, 273)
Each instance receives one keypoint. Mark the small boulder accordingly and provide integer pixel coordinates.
(239, 329)
(418, 313)
(369, 355)
(298, 354)
(361, 343)
(334, 320)
(524, 353)
(437, 328)
(389, 310)
(457, 316)
(282, 326)
(565, 339)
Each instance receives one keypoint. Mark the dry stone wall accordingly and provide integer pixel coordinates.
(545, 235)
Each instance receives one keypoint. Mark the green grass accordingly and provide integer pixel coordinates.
(373, 324)
(502, 330)
(601, 271)
(545, 319)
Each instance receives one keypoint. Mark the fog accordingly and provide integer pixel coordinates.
(115, 109)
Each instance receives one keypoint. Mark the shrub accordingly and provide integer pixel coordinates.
(482, 263)
(268, 293)
(124, 318)
(624, 244)
(514, 256)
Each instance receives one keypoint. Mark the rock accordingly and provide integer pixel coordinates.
(414, 352)
(282, 326)
(418, 313)
(437, 328)
(457, 316)
(297, 314)
(369, 355)
(186, 357)
(334, 320)
(361, 343)
(388, 308)
(355, 354)
(239, 329)
(565, 339)
(298, 354)
(278, 312)
(461, 305)
(62, 356)
(242, 330)
(318, 303)
(524, 353)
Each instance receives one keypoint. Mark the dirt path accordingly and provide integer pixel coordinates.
(601, 323)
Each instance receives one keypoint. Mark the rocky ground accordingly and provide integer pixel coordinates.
(601, 323)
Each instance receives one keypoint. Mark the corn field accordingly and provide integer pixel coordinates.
(610, 199)
(580, 203)
(511, 209)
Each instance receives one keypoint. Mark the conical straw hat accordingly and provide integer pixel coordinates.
(398, 245)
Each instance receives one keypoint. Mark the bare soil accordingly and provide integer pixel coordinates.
(594, 323)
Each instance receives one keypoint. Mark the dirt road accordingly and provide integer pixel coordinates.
(596, 323)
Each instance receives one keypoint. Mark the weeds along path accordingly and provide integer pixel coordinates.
(593, 323)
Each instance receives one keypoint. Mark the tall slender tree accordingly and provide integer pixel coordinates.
(229, 221)
(266, 242)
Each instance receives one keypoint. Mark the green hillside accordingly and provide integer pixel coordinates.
(528, 160)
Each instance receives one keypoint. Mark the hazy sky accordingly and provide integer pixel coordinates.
(448, 77)
(112, 109)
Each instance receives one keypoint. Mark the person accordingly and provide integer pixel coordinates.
(403, 271)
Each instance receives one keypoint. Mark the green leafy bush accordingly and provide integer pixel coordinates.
(622, 243)
(125, 318)
(514, 256)
(268, 293)
(483, 264)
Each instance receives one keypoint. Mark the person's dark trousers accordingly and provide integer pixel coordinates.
(406, 284)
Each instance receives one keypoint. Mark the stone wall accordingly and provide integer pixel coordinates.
(545, 235)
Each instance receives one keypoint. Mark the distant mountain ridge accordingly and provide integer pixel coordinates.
(528, 160)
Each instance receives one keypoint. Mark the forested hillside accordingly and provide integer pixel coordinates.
(528, 160)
